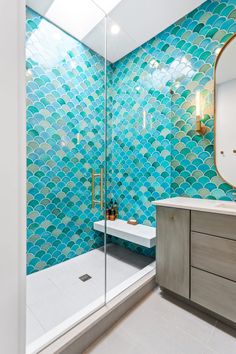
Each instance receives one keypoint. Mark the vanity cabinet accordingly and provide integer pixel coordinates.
(196, 257)
(173, 249)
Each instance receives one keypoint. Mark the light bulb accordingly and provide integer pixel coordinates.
(198, 104)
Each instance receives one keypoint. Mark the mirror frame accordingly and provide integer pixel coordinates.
(215, 68)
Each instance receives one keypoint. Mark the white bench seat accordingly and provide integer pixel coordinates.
(140, 234)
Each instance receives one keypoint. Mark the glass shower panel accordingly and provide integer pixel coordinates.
(132, 157)
(66, 129)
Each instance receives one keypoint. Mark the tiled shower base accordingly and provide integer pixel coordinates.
(56, 295)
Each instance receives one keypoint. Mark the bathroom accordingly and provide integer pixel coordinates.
(118, 142)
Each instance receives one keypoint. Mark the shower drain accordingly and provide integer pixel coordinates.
(85, 277)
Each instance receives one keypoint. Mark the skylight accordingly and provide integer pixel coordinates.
(77, 17)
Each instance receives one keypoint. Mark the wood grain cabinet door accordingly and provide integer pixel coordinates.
(173, 234)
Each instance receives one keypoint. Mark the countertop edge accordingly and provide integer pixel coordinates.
(176, 203)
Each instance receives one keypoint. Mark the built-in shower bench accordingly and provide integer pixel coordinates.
(140, 234)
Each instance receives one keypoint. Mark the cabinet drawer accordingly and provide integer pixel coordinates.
(214, 224)
(214, 254)
(215, 293)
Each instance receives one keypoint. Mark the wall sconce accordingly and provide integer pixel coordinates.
(200, 127)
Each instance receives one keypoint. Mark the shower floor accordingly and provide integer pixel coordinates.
(56, 293)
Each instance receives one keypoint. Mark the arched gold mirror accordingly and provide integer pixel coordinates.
(225, 112)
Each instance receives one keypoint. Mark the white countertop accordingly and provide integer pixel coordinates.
(207, 205)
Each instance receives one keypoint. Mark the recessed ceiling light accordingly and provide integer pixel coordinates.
(115, 29)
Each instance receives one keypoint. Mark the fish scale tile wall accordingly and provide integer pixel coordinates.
(156, 151)
(193, 170)
(65, 97)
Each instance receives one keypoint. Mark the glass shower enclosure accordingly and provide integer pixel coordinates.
(82, 168)
(66, 166)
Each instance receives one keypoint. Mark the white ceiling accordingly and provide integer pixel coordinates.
(139, 20)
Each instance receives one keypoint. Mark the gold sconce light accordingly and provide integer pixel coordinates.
(200, 127)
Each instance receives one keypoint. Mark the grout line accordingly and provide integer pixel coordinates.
(29, 324)
(212, 325)
(36, 317)
(212, 332)
(208, 346)
(54, 284)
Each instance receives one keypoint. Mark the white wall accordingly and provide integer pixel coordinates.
(12, 177)
(226, 130)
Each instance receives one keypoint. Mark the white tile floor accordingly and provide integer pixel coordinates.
(161, 324)
(56, 293)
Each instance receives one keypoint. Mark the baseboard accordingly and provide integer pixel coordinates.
(79, 338)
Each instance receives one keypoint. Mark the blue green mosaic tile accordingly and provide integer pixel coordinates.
(153, 150)
(161, 77)
(65, 97)
(193, 171)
